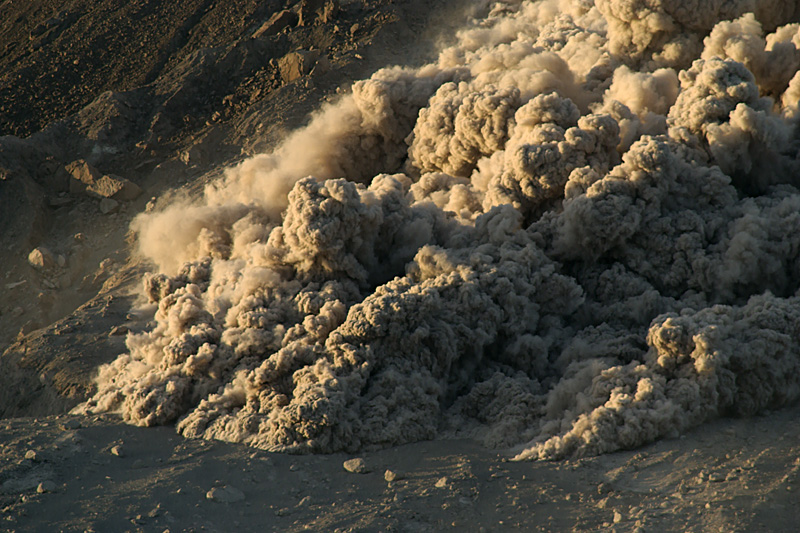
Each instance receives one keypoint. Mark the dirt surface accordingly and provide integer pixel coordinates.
(57, 57)
(63, 473)
(165, 95)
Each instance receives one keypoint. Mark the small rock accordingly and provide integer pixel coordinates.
(192, 156)
(441, 483)
(716, 477)
(355, 27)
(356, 466)
(119, 330)
(28, 327)
(41, 258)
(617, 517)
(46, 486)
(391, 475)
(32, 455)
(322, 66)
(328, 11)
(226, 494)
(118, 451)
(107, 205)
(276, 23)
(317, 11)
(71, 423)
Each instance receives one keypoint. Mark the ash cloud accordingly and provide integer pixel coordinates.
(577, 232)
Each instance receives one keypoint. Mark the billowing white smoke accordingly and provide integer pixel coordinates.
(579, 231)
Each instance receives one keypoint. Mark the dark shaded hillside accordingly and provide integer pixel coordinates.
(58, 56)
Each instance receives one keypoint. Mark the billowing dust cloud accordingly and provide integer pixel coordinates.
(577, 232)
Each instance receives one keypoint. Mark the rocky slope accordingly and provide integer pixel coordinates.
(111, 109)
(164, 96)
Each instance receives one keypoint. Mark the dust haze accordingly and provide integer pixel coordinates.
(576, 232)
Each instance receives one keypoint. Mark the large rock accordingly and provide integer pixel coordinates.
(83, 174)
(297, 64)
(114, 187)
(356, 466)
(87, 179)
(41, 258)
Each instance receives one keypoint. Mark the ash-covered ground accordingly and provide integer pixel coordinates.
(555, 230)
